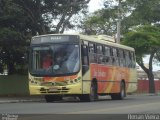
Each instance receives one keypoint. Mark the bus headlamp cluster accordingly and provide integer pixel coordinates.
(33, 82)
(73, 81)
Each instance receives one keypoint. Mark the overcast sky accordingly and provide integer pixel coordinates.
(95, 5)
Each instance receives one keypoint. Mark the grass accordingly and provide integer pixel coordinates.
(14, 84)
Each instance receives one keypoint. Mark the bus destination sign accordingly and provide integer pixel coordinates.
(55, 39)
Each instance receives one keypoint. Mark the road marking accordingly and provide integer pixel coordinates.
(108, 110)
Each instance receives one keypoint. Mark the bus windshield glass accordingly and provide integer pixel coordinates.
(56, 59)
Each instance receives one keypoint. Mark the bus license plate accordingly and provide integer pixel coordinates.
(52, 89)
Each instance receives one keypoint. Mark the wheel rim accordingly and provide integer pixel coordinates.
(122, 93)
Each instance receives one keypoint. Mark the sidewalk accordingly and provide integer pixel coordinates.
(16, 99)
(21, 99)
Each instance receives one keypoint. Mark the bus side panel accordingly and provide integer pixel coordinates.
(132, 85)
(100, 73)
(110, 77)
(121, 74)
(86, 83)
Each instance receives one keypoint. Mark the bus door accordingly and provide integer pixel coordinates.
(85, 61)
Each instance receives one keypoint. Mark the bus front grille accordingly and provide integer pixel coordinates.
(59, 90)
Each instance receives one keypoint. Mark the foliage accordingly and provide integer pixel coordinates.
(143, 39)
(100, 22)
(51, 15)
(22, 19)
(146, 41)
(142, 12)
(132, 13)
(104, 21)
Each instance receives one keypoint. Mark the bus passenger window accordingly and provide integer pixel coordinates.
(114, 52)
(107, 51)
(100, 54)
(99, 49)
(107, 55)
(115, 57)
(121, 58)
(133, 60)
(128, 60)
(92, 54)
(111, 56)
(91, 48)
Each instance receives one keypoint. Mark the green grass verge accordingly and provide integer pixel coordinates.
(14, 85)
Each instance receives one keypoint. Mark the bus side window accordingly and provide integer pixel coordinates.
(91, 48)
(99, 49)
(128, 60)
(132, 59)
(124, 59)
(111, 57)
(107, 53)
(92, 53)
(99, 54)
(118, 56)
(115, 57)
(121, 58)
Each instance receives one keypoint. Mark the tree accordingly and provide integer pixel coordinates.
(12, 32)
(146, 41)
(141, 12)
(51, 16)
(133, 13)
(100, 22)
(22, 19)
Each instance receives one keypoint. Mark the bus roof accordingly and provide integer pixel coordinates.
(95, 39)
(101, 41)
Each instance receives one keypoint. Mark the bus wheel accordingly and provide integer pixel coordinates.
(121, 95)
(92, 96)
(51, 98)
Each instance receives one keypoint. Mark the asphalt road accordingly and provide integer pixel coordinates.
(133, 104)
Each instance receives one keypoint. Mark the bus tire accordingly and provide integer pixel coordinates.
(93, 94)
(121, 95)
(51, 98)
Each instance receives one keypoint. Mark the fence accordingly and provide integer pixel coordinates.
(143, 85)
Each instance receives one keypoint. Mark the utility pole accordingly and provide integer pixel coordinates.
(119, 22)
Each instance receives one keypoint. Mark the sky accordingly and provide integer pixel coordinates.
(156, 65)
(92, 6)
(95, 5)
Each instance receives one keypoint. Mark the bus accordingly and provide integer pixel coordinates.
(82, 66)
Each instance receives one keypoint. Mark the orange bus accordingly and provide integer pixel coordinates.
(82, 66)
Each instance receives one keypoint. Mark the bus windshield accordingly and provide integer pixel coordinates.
(56, 59)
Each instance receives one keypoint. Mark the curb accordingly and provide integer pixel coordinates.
(20, 99)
